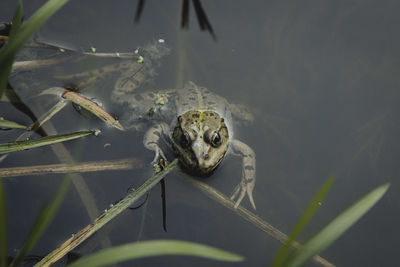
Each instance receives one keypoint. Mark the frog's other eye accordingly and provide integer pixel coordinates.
(185, 140)
(216, 140)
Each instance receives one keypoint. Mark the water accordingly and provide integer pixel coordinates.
(320, 76)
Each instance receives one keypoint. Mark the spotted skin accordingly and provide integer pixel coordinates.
(197, 125)
(193, 140)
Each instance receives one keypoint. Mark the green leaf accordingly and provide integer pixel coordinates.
(3, 227)
(154, 248)
(21, 34)
(17, 19)
(5, 124)
(337, 227)
(303, 221)
(48, 140)
(7, 61)
(42, 222)
(106, 217)
(5, 70)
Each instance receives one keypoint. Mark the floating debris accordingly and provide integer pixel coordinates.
(85, 103)
(159, 101)
(140, 60)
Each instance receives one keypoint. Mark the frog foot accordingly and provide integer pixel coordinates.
(158, 156)
(246, 186)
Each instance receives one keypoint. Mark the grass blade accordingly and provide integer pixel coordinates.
(92, 107)
(85, 103)
(5, 124)
(24, 32)
(17, 20)
(41, 223)
(337, 227)
(3, 227)
(154, 248)
(5, 70)
(7, 61)
(104, 218)
(303, 221)
(249, 216)
(30, 27)
(81, 167)
(48, 140)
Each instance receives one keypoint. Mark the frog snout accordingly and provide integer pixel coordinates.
(204, 163)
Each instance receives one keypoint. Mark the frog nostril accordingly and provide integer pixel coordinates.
(206, 156)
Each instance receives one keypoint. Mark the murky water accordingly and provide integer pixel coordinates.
(320, 76)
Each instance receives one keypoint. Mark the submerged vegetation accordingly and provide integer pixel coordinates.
(287, 256)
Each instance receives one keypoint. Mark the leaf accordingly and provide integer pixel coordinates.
(48, 140)
(21, 35)
(85, 103)
(6, 62)
(3, 227)
(303, 221)
(92, 107)
(106, 217)
(337, 227)
(154, 248)
(41, 223)
(5, 124)
(5, 70)
(17, 19)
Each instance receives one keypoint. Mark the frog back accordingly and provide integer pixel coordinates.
(143, 109)
(194, 97)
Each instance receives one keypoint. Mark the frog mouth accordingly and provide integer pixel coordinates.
(198, 167)
(197, 170)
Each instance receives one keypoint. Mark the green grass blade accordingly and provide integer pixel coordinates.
(5, 70)
(337, 227)
(3, 227)
(5, 124)
(48, 140)
(303, 221)
(41, 223)
(8, 59)
(17, 19)
(154, 248)
(106, 217)
(30, 27)
(24, 32)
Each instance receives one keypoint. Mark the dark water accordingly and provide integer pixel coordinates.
(320, 76)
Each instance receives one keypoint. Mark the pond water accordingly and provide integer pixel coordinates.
(321, 78)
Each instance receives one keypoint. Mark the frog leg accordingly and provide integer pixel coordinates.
(248, 181)
(152, 138)
(241, 112)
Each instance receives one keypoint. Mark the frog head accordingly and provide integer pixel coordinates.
(200, 140)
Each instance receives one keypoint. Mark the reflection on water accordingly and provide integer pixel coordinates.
(321, 79)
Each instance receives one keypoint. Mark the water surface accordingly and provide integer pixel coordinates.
(322, 80)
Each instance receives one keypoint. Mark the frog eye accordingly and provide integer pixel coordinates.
(185, 140)
(215, 140)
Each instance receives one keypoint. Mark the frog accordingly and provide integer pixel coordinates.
(197, 124)
(194, 122)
